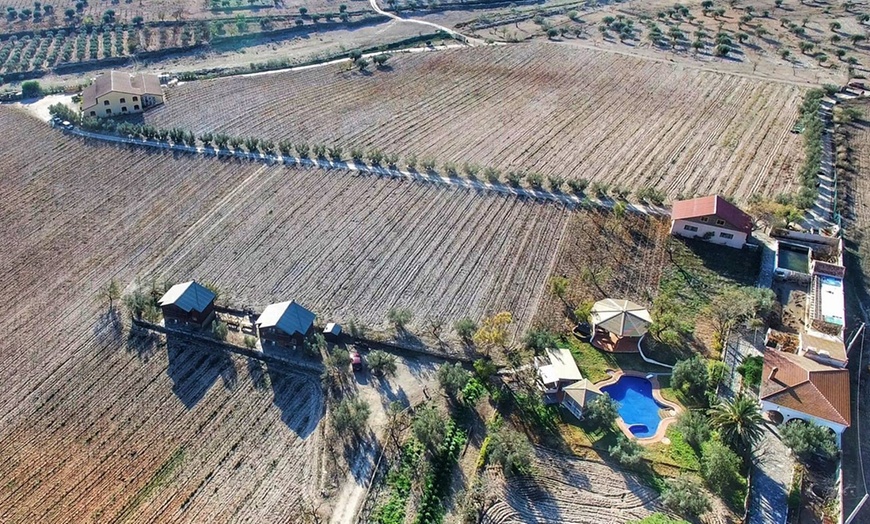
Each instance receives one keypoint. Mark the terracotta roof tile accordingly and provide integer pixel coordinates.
(807, 386)
(118, 81)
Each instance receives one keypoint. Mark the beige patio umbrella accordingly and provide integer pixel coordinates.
(623, 318)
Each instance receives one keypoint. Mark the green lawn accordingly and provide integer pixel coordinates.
(594, 363)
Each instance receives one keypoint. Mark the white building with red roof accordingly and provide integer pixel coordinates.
(797, 387)
(711, 218)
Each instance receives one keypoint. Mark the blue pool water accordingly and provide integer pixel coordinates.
(637, 407)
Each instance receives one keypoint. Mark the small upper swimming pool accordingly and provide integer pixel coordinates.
(637, 406)
(793, 258)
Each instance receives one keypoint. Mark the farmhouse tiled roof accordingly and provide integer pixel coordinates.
(710, 206)
(188, 296)
(289, 317)
(804, 385)
(120, 82)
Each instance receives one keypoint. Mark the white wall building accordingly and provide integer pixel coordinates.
(712, 219)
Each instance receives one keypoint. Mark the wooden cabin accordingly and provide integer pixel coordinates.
(188, 304)
(285, 324)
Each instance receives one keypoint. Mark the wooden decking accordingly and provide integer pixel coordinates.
(606, 341)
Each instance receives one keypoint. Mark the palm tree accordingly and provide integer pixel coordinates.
(739, 422)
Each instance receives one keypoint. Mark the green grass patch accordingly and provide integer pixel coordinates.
(681, 452)
(678, 453)
(675, 395)
(593, 363)
(158, 480)
(750, 370)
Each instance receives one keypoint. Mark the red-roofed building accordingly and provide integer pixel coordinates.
(711, 218)
(796, 387)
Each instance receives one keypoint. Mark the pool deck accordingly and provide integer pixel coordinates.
(657, 395)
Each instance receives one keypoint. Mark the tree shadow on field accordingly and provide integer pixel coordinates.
(298, 397)
(360, 452)
(194, 368)
(144, 343)
(258, 375)
(108, 326)
(389, 395)
(422, 369)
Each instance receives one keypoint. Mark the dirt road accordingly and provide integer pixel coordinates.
(458, 36)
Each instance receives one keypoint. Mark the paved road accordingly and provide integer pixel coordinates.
(772, 471)
(772, 464)
(739, 346)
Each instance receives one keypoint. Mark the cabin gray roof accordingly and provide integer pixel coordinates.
(290, 317)
(188, 296)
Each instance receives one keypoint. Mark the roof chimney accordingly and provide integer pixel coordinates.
(772, 373)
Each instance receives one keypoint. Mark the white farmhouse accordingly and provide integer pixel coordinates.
(120, 93)
(711, 218)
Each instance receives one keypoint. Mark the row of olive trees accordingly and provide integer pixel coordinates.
(374, 157)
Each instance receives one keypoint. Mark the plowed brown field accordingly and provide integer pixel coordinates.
(96, 428)
(576, 113)
(355, 246)
(570, 489)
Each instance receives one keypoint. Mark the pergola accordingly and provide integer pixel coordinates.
(622, 318)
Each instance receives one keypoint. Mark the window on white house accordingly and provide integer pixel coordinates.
(690, 228)
(136, 107)
(93, 113)
(720, 222)
(135, 98)
(123, 100)
(729, 236)
(105, 102)
(124, 109)
(108, 111)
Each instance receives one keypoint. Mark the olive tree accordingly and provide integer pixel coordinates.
(806, 438)
(382, 363)
(350, 415)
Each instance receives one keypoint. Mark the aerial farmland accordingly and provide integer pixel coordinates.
(545, 109)
(412, 262)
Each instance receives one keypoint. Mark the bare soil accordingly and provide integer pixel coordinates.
(96, 427)
(101, 427)
(573, 113)
(759, 53)
(604, 256)
(353, 247)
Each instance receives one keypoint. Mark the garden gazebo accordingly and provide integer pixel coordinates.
(618, 324)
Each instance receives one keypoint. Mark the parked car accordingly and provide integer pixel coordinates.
(356, 361)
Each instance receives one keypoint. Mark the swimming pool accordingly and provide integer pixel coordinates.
(637, 407)
(793, 258)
